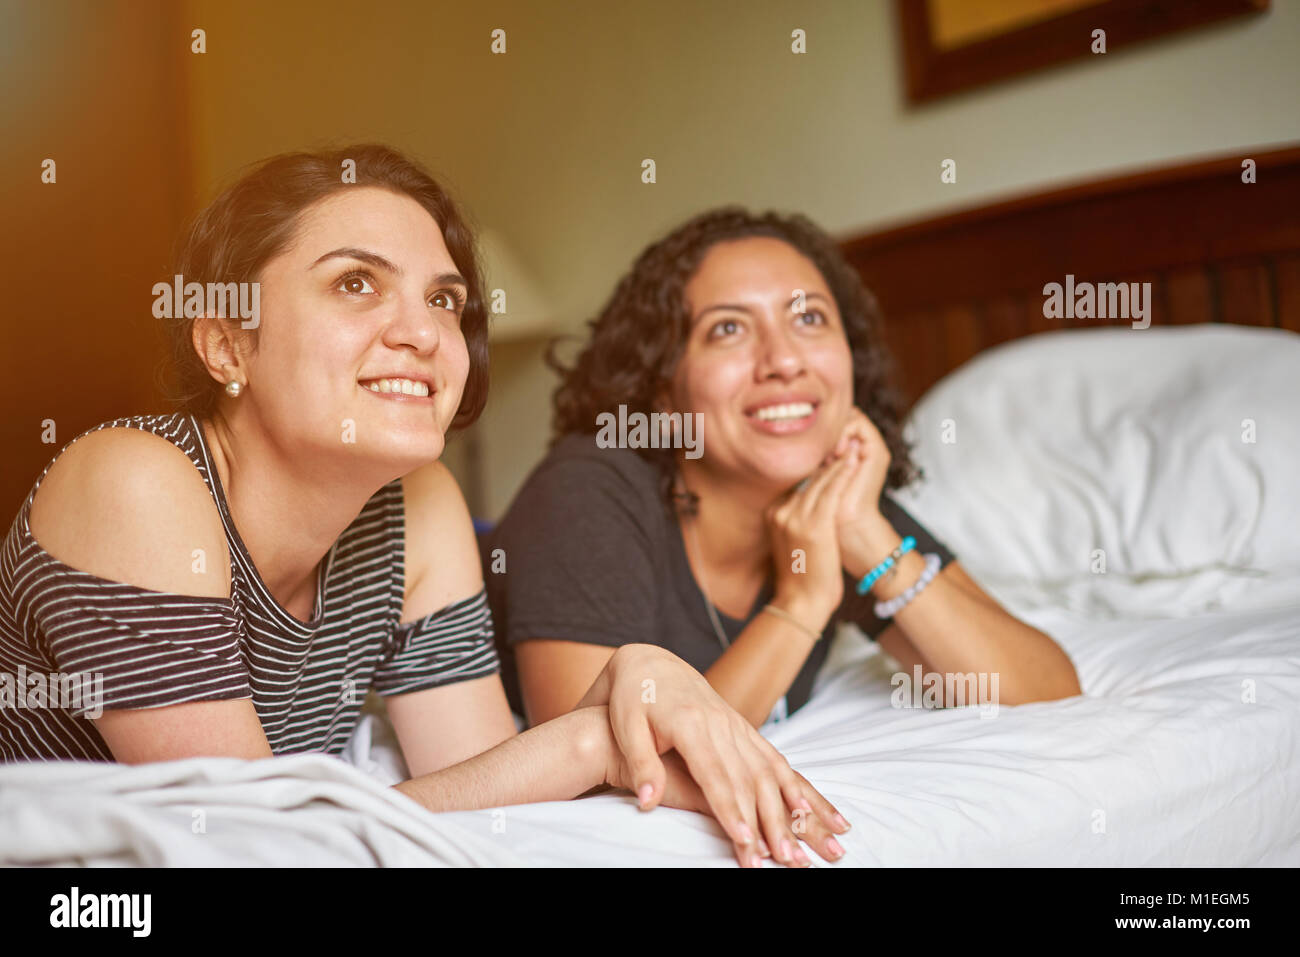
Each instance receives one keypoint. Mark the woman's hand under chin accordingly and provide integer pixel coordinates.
(803, 534)
(865, 535)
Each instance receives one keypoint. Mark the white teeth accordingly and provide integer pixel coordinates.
(794, 410)
(400, 386)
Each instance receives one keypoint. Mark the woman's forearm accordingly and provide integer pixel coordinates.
(752, 674)
(554, 761)
(762, 663)
(957, 631)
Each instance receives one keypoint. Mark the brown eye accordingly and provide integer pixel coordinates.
(355, 284)
(726, 327)
(444, 300)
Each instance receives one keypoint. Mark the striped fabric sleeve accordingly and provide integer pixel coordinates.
(449, 645)
(148, 648)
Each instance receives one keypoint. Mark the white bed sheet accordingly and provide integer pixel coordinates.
(1162, 762)
(1184, 770)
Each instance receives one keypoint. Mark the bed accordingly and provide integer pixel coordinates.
(1132, 492)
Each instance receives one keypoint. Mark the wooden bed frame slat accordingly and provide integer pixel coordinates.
(1286, 275)
(1214, 248)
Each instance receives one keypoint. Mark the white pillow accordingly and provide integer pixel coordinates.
(1134, 442)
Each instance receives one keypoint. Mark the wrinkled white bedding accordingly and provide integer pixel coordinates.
(1185, 749)
(302, 811)
(1162, 762)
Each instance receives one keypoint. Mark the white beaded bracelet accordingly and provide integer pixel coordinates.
(888, 609)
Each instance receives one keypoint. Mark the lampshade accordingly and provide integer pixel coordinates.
(528, 309)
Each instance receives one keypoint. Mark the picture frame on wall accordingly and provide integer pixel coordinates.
(954, 45)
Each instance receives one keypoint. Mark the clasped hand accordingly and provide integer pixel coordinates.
(830, 522)
(713, 761)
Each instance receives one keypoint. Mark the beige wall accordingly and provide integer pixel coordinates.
(545, 143)
(93, 89)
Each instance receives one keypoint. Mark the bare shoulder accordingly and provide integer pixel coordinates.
(442, 562)
(129, 506)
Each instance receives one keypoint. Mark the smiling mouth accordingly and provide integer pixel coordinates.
(397, 388)
(783, 413)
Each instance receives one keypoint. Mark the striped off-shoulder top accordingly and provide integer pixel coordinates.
(73, 645)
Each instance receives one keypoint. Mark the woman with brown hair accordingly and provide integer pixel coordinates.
(739, 553)
(239, 574)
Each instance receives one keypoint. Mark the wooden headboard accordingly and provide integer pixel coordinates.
(1214, 248)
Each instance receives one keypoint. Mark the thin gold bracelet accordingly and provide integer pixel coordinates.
(783, 614)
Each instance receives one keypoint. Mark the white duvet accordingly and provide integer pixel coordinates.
(1161, 762)
(1184, 750)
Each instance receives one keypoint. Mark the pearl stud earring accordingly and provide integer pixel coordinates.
(233, 388)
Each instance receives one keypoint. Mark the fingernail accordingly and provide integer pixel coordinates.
(754, 861)
(762, 848)
(802, 858)
(833, 846)
(839, 819)
(746, 835)
(644, 795)
(787, 851)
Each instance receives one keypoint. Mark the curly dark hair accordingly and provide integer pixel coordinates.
(640, 334)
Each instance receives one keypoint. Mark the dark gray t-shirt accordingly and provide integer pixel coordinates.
(591, 554)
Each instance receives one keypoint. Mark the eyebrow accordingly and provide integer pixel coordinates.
(738, 308)
(361, 255)
(379, 262)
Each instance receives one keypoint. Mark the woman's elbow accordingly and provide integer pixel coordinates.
(1061, 684)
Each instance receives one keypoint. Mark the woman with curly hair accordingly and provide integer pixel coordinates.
(741, 559)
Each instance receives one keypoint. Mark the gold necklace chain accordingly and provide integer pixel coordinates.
(779, 709)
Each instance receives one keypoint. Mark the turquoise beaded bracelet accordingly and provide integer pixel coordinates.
(873, 576)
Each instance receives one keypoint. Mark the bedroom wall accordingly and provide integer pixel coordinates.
(545, 142)
(81, 251)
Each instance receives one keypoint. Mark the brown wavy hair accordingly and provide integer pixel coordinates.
(257, 217)
(639, 336)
